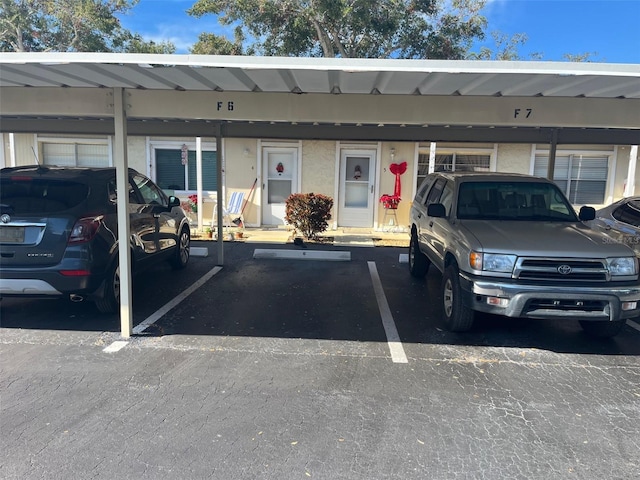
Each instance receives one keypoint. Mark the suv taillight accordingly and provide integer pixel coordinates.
(84, 229)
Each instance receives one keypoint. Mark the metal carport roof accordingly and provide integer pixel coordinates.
(56, 92)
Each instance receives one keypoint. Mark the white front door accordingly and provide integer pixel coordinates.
(357, 187)
(279, 180)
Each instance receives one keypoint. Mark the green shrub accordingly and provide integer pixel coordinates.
(309, 213)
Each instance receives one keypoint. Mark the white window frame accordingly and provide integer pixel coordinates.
(425, 149)
(41, 140)
(153, 145)
(611, 155)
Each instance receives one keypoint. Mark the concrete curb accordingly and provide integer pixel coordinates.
(302, 254)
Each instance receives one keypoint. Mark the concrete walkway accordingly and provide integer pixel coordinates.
(364, 237)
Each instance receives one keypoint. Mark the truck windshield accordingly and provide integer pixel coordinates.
(513, 201)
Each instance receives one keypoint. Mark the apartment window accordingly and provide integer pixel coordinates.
(453, 162)
(171, 174)
(583, 178)
(75, 154)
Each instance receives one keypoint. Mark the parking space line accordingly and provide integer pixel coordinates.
(393, 339)
(151, 319)
(633, 324)
(115, 346)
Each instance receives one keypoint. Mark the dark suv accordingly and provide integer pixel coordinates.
(59, 232)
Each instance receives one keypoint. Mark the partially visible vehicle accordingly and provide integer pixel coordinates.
(620, 221)
(512, 245)
(59, 232)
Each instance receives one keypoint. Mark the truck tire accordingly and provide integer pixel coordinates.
(180, 258)
(109, 302)
(457, 317)
(418, 261)
(602, 329)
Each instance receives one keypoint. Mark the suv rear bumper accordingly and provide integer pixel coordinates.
(597, 303)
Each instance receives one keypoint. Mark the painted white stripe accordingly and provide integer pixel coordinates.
(151, 319)
(393, 339)
(633, 324)
(115, 346)
(337, 256)
(403, 258)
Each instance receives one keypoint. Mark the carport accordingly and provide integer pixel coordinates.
(311, 98)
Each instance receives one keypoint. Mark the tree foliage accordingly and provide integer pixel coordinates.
(353, 28)
(506, 48)
(211, 44)
(70, 26)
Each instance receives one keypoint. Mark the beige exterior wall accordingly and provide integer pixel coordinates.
(318, 165)
(513, 158)
(240, 171)
(402, 152)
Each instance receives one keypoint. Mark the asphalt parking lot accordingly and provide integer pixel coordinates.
(287, 369)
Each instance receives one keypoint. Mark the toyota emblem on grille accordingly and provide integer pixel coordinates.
(5, 218)
(564, 269)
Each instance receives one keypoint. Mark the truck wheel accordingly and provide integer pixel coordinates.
(418, 261)
(180, 258)
(109, 302)
(602, 329)
(457, 317)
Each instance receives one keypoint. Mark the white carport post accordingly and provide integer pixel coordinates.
(122, 187)
(220, 199)
(630, 186)
(199, 180)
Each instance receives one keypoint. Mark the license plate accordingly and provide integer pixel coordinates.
(12, 234)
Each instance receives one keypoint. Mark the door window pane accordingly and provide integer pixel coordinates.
(279, 190)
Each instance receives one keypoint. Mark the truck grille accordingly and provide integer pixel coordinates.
(561, 269)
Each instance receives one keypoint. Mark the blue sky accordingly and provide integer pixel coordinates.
(607, 29)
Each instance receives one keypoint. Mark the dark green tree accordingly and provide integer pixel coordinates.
(70, 26)
(353, 28)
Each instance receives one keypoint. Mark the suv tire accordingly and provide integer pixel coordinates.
(180, 258)
(109, 302)
(418, 261)
(457, 317)
(602, 329)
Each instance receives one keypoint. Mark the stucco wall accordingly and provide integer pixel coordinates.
(513, 158)
(402, 152)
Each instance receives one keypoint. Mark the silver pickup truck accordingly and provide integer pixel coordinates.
(513, 245)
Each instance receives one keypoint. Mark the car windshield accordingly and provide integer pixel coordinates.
(27, 195)
(513, 201)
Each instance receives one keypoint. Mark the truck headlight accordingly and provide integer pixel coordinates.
(492, 262)
(622, 266)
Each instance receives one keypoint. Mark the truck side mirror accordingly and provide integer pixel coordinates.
(587, 213)
(436, 210)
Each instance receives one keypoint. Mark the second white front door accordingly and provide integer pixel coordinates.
(279, 180)
(357, 188)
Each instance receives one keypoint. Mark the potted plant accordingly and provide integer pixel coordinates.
(208, 232)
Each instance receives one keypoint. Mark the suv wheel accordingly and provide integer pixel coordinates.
(109, 302)
(457, 317)
(418, 261)
(602, 329)
(181, 256)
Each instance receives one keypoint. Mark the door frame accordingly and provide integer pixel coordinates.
(284, 144)
(366, 148)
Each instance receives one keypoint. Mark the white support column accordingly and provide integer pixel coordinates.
(432, 157)
(122, 185)
(199, 180)
(219, 160)
(630, 187)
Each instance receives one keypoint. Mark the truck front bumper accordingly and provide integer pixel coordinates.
(598, 303)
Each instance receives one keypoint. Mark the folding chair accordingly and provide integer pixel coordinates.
(233, 210)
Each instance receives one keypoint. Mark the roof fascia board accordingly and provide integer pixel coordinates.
(173, 128)
(326, 64)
